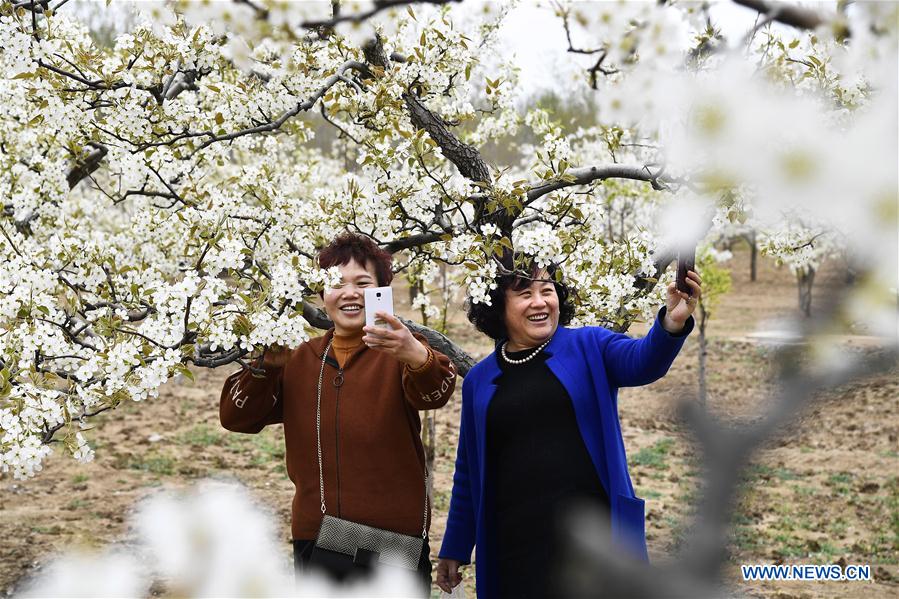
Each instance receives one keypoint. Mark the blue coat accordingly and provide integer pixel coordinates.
(591, 363)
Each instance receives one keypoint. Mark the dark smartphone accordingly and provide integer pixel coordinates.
(685, 261)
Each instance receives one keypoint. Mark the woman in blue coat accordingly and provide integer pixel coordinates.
(540, 432)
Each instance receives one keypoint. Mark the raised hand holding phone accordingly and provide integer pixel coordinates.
(683, 294)
(686, 261)
(384, 332)
(378, 299)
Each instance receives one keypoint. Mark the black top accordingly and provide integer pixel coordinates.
(537, 467)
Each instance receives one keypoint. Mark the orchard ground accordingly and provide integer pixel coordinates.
(826, 491)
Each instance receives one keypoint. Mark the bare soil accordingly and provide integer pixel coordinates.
(825, 491)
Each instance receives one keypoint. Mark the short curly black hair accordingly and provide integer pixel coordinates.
(350, 246)
(490, 320)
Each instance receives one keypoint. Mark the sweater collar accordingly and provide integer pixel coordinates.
(320, 343)
(350, 341)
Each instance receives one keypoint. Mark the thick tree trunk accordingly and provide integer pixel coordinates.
(753, 256)
(413, 293)
(805, 279)
(429, 441)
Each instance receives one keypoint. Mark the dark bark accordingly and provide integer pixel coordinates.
(804, 280)
(360, 17)
(466, 158)
(753, 257)
(588, 174)
(703, 352)
(795, 16)
(88, 165)
(374, 52)
(411, 242)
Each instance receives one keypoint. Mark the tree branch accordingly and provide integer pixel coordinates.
(412, 241)
(588, 174)
(379, 5)
(466, 158)
(795, 16)
(276, 124)
(88, 165)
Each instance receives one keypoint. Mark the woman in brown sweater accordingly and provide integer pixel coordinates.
(373, 382)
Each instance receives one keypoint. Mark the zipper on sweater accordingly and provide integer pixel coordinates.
(338, 383)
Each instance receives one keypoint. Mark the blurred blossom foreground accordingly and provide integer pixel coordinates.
(212, 541)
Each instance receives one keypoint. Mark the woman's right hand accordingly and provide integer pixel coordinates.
(276, 356)
(448, 575)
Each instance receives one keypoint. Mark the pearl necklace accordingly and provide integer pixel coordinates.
(502, 350)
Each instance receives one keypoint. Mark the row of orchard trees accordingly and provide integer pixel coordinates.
(163, 199)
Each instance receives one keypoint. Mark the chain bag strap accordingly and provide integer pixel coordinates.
(346, 538)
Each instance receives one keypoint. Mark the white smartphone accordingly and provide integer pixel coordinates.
(378, 299)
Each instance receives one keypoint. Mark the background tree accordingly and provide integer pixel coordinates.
(802, 248)
(716, 281)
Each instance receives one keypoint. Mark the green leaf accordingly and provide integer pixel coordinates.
(212, 87)
(219, 119)
(184, 371)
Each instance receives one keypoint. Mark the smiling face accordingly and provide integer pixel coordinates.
(345, 304)
(532, 313)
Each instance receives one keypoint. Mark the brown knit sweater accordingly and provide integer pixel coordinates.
(372, 457)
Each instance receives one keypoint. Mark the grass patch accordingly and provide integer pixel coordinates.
(785, 474)
(786, 524)
(746, 538)
(754, 471)
(76, 504)
(267, 449)
(838, 527)
(155, 463)
(79, 478)
(790, 546)
(843, 478)
(840, 483)
(47, 530)
(892, 504)
(654, 457)
(828, 550)
(203, 435)
(805, 491)
(741, 519)
(441, 500)
(678, 527)
(650, 494)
